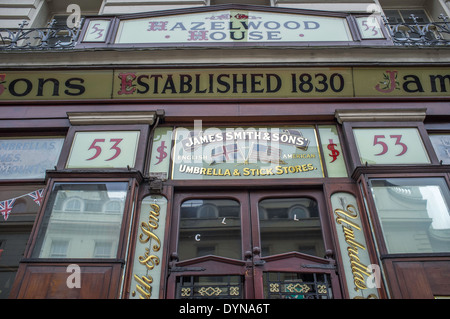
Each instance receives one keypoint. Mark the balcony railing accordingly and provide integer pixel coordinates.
(420, 34)
(52, 37)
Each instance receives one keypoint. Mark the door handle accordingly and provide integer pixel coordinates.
(257, 261)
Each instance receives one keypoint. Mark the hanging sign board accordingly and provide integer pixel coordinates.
(243, 153)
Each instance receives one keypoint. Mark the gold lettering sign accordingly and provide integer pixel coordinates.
(55, 85)
(392, 81)
(246, 152)
(148, 252)
(216, 83)
(353, 246)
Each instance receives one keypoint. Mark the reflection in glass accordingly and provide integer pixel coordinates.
(210, 227)
(414, 214)
(290, 224)
(441, 144)
(76, 223)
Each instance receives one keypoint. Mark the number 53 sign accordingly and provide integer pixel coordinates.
(112, 149)
(390, 146)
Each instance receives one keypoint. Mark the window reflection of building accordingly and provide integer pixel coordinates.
(210, 227)
(298, 219)
(414, 214)
(84, 221)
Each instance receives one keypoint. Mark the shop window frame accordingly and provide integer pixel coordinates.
(133, 180)
(22, 222)
(373, 215)
(435, 129)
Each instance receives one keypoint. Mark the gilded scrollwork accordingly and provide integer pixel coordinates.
(210, 291)
(186, 292)
(274, 287)
(298, 288)
(234, 291)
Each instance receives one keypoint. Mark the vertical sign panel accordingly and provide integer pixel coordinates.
(161, 153)
(361, 281)
(146, 273)
(332, 151)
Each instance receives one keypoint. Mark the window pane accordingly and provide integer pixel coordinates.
(28, 158)
(210, 227)
(13, 241)
(78, 223)
(290, 224)
(420, 15)
(414, 214)
(441, 144)
(393, 16)
(19, 206)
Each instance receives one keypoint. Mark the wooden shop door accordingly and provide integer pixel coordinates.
(251, 244)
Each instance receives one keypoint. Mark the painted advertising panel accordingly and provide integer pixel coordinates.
(28, 158)
(243, 153)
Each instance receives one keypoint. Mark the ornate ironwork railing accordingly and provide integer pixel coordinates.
(419, 33)
(52, 37)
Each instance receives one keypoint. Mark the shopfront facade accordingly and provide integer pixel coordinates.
(229, 151)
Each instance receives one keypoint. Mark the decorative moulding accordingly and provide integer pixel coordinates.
(105, 118)
(381, 115)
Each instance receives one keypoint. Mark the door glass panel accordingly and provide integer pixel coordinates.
(292, 285)
(200, 287)
(210, 227)
(290, 224)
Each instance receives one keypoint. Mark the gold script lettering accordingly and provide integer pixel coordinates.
(349, 214)
(150, 261)
(145, 290)
(358, 269)
(147, 228)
